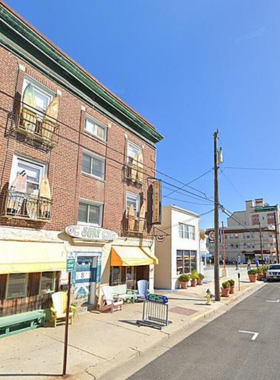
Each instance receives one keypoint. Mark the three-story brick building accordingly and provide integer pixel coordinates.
(71, 166)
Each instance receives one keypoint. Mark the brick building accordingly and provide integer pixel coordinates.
(69, 152)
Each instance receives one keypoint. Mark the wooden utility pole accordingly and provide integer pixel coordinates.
(216, 220)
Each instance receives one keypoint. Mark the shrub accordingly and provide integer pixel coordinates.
(259, 270)
(231, 282)
(201, 276)
(184, 278)
(194, 275)
(265, 268)
(226, 284)
(252, 271)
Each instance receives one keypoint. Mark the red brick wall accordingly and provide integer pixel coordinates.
(64, 161)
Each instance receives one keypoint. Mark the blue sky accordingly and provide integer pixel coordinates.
(189, 67)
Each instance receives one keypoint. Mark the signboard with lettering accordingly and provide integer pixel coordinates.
(156, 217)
(70, 265)
(90, 233)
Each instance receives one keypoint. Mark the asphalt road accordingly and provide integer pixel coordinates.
(219, 351)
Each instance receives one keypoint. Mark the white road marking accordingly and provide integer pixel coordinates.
(255, 334)
(272, 301)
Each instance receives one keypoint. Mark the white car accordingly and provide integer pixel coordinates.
(273, 272)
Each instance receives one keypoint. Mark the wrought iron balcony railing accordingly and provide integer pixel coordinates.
(25, 206)
(132, 173)
(134, 226)
(36, 125)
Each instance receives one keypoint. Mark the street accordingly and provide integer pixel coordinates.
(220, 351)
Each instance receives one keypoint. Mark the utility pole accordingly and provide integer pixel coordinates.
(276, 236)
(261, 242)
(216, 220)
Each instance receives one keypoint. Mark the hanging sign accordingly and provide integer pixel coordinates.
(211, 236)
(90, 233)
(161, 238)
(156, 218)
(70, 265)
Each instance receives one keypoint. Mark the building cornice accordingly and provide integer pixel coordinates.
(31, 41)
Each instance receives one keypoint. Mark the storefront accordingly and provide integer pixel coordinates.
(30, 272)
(130, 264)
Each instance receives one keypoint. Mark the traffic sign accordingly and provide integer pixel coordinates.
(70, 265)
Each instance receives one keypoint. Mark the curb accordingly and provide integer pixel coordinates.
(116, 364)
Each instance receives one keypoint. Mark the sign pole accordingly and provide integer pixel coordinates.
(67, 325)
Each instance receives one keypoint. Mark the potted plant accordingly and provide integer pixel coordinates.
(259, 273)
(194, 276)
(225, 289)
(231, 287)
(183, 280)
(252, 275)
(200, 278)
(264, 268)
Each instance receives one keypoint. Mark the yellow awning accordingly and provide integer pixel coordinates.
(132, 256)
(27, 257)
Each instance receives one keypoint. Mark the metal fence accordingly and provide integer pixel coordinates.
(155, 312)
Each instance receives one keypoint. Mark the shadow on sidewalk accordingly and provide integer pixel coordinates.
(30, 374)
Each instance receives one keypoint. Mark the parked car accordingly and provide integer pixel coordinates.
(273, 272)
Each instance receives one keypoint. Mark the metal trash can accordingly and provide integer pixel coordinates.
(155, 312)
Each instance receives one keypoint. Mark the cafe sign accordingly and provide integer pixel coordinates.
(90, 233)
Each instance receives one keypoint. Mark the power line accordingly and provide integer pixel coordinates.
(222, 171)
(202, 175)
(184, 201)
(244, 168)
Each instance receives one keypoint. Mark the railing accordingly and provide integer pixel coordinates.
(23, 305)
(133, 174)
(134, 227)
(25, 206)
(37, 126)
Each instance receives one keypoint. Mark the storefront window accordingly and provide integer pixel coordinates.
(47, 282)
(17, 285)
(115, 275)
(186, 261)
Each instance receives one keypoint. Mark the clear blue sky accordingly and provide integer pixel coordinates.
(189, 67)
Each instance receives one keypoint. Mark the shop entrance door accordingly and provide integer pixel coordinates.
(85, 281)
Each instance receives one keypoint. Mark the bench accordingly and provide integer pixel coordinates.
(14, 324)
(121, 291)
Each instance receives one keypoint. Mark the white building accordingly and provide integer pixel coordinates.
(250, 234)
(179, 252)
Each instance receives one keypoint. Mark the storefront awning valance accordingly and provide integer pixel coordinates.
(28, 257)
(132, 256)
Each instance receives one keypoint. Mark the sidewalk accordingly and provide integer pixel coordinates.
(100, 342)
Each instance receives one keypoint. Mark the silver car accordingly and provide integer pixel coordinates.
(273, 272)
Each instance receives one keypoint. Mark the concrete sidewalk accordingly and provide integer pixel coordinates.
(100, 342)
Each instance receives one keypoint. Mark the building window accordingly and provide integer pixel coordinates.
(132, 151)
(42, 94)
(90, 213)
(186, 231)
(134, 200)
(16, 285)
(34, 173)
(186, 261)
(236, 236)
(47, 282)
(96, 128)
(93, 165)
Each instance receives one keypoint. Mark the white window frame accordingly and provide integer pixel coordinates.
(91, 203)
(96, 123)
(25, 286)
(135, 197)
(45, 91)
(97, 157)
(186, 231)
(130, 156)
(35, 164)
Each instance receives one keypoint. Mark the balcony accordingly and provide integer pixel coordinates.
(36, 126)
(133, 174)
(134, 227)
(25, 206)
